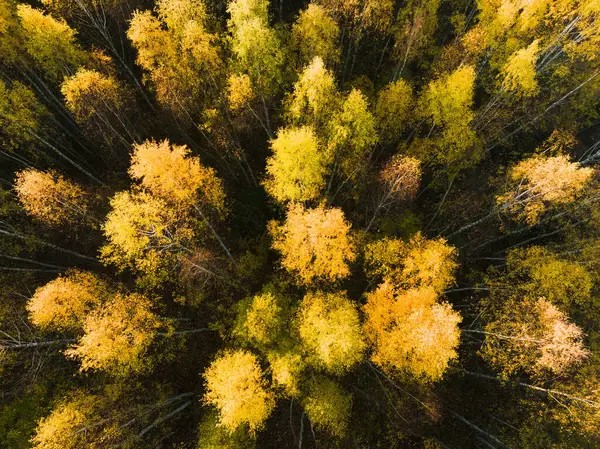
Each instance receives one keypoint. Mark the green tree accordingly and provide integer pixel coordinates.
(330, 331)
(315, 33)
(328, 406)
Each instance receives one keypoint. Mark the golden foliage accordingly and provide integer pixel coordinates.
(140, 231)
(401, 178)
(330, 331)
(21, 115)
(255, 45)
(411, 332)
(286, 369)
(353, 134)
(519, 71)
(235, 386)
(117, 336)
(51, 198)
(315, 33)
(63, 304)
(394, 109)
(540, 182)
(169, 172)
(539, 272)
(261, 319)
(314, 243)
(239, 91)
(61, 429)
(327, 406)
(50, 42)
(296, 170)
(315, 96)
(535, 337)
(418, 263)
(88, 91)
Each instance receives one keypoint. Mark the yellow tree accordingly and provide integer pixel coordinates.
(145, 233)
(314, 243)
(236, 387)
(352, 135)
(537, 271)
(50, 43)
(539, 183)
(393, 110)
(64, 303)
(414, 32)
(410, 332)
(532, 336)
(117, 335)
(315, 33)
(519, 71)
(172, 174)
(21, 116)
(286, 370)
(257, 49)
(62, 428)
(296, 171)
(328, 406)
(418, 263)
(314, 98)
(179, 55)
(447, 103)
(260, 319)
(99, 104)
(51, 198)
(330, 331)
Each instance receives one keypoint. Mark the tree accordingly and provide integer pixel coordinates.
(296, 170)
(315, 97)
(353, 135)
(99, 104)
(235, 386)
(533, 336)
(414, 32)
(314, 243)
(256, 48)
(61, 428)
(519, 71)
(180, 56)
(50, 198)
(65, 302)
(213, 436)
(50, 43)
(286, 371)
(393, 109)
(117, 336)
(144, 233)
(330, 331)
(168, 172)
(539, 183)
(420, 263)
(410, 332)
(22, 116)
(315, 33)
(327, 406)
(447, 103)
(537, 271)
(260, 319)
(399, 182)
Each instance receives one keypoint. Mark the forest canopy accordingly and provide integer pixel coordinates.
(237, 224)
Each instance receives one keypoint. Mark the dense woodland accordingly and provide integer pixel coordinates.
(289, 224)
